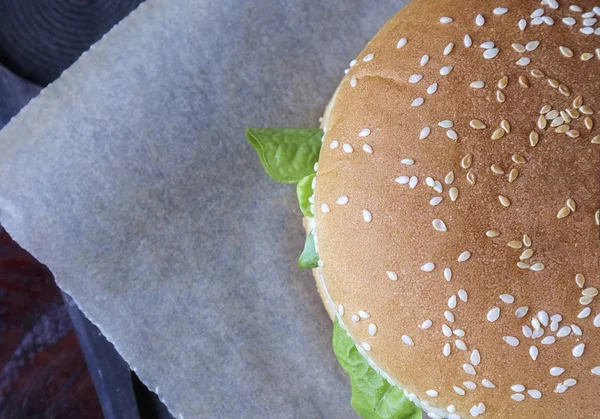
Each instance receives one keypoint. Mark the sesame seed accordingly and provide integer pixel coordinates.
(401, 43)
(341, 309)
(415, 78)
(446, 123)
(563, 212)
(499, 11)
(497, 134)
(517, 388)
(588, 122)
(449, 179)
(432, 393)
(493, 314)
(564, 90)
(563, 332)
(367, 149)
(368, 58)
(584, 313)
(407, 340)
(560, 388)
(468, 41)
(573, 133)
(569, 21)
(439, 225)
(507, 298)
(353, 82)
(480, 20)
(500, 97)
(367, 216)
(365, 132)
(448, 49)
(585, 300)
(477, 124)
(576, 330)
(537, 267)
(449, 316)
(537, 13)
(402, 180)
(597, 320)
(325, 208)
(352, 63)
(518, 47)
(459, 332)
(503, 82)
(452, 134)
(537, 21)
(526, 240)
(464, 256)
(526, 254)
(444, 71)
(490, 53)
(417, 102)
(586, 56)
(453, 192)
(469, 369)
(548, 20)
(432, 88)
(334, 144)
(429, 181)
(570, 382)
(446, 350)
(518, 159)
(597, 215)
(535, 394)
(479, 84)
(355, 318)
(524, 61)
(521, 312)
(515, 244)
(589, 21)
(459, 390)
(527, 332)
(523, 81)
(446, 19)
(492, 233)
(578, 350)
(347, 148)
(426, 324)
(517, 397)
(487, 383)
(435, 201)
(342, 200)
(504, 201)
(424, 60)
(452, 301)
(571, 204)
(548, 340)
(534, 138)
(363, 314)
(424, 133)
(533, 352)
(466, 161)
(428, 267)
(372, 329)
(462, 294)
(487, 45)
(562, 129)
(392, 276)
(543, 318)
(475, 357)
(556, 371)
(505, 125)
(595, 371)
(522, 24)
(447, 274)
(366, 346)
(586, 30)
(512, 176)
(470, 385)
(532, 45)
(586, 110)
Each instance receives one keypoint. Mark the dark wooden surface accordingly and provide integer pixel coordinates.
(42, 370)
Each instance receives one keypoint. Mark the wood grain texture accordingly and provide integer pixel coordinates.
(39, 39)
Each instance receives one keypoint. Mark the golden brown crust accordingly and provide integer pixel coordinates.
(401, 238)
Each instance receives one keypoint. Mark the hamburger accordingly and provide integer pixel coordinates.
(451, 200)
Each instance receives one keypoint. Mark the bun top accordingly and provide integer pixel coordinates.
(457, 206)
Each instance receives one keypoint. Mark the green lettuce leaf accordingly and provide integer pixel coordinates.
(304, 191)
(309, 257)
(372, 396)
(287, 154)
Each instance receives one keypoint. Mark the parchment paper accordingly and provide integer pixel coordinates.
(131, 179)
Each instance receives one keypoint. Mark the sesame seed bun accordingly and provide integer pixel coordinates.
(466, 139)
